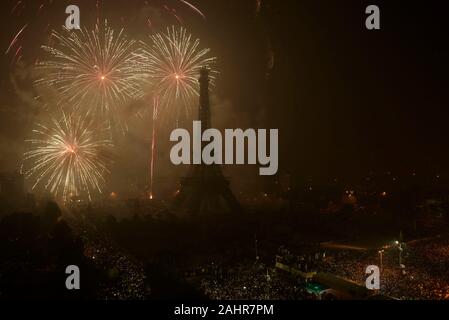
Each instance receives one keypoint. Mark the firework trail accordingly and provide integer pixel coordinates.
(94, 71)
(264, 11)
(170, 8)
(153, 144)
(39, 16)
(14, 40)
(191, 6)
(170, 62)
(69, 157)
(30, 16)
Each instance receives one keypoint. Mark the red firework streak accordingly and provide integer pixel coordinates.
(153, 143)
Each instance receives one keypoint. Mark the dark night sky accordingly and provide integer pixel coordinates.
(346, 100)
(362, 99)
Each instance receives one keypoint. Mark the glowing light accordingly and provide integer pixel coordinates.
(71, 149)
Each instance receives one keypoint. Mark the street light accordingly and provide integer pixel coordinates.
(399, 244)
(381, 252)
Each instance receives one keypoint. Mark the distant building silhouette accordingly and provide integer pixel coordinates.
(205, 189)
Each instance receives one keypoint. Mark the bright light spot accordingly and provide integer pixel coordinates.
(103, 77)
(70, 149)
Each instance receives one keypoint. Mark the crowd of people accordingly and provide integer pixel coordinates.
(123, 277)
(424, 273)
(40, 246)
(252, 281)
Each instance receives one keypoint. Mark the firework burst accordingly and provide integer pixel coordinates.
(92, 69)
(68, 157)
(170, 62)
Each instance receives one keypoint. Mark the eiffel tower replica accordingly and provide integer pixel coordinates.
(205, 189)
